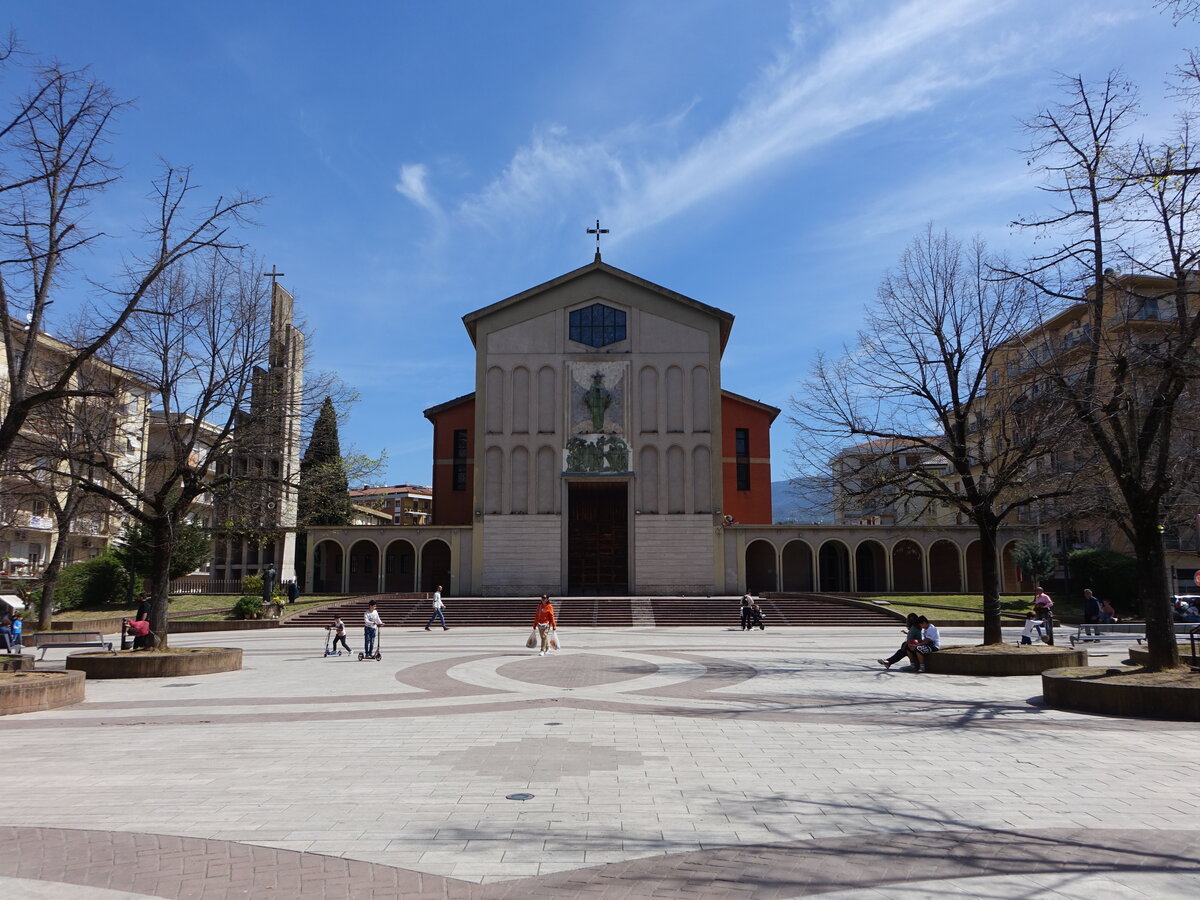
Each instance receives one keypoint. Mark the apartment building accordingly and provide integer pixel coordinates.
(36, 476)
(1129, 345)
(405, 504)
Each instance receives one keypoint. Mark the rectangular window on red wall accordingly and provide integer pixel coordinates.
(460, 459)
(742, 452)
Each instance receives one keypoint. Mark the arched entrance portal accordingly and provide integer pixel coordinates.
(945, 573)
(435, 567)
(870, 569)
(907, 574)
(327, 568)
(834, 564)
(1009, 572)
(364, 568)
(797, 567)
(760, 568)
(400, 568)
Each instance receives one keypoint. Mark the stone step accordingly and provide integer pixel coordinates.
(600, 612)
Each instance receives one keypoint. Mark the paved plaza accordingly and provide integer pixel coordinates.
(661, 762)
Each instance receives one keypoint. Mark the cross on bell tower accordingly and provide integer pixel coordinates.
(597, 231)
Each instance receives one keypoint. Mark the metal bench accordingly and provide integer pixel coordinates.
(1116, 631)
(71, 639)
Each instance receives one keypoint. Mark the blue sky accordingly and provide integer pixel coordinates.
(425, 159)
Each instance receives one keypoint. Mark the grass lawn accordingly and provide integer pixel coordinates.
(177, 604)
(968, 606)
(288, 609)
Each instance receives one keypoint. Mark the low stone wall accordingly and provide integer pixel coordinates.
(150, 664)
(1088, 690)
(1002, 662)
(186, 627)
(1139, 656)
(15, 662)
(22, 692)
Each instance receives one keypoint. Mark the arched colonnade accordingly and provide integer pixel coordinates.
(868, 565)
(367, 565)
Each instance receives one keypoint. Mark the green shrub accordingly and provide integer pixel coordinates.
(246, 607)
(102, 581)
(253, 584)
(1113, 576)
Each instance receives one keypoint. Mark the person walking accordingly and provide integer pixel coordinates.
(371, 622)
(544, 622)
(747, 602)
(438, 607)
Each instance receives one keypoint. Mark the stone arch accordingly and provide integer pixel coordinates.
(435, 566)
(648, 398)
(493, 480)
(495, 400)
(797, 566)
(945, 570)
(700, 398)
(648, 480)
(364, 567)
(974, 568)
(399, 567)
(761, 572)
(674, 406)
(327, 568)
(870, 566)
(675, 480)
(701, 481)
(908, 569)
(833, 562)
(1009, 571)
(519, 501)
(520, 397)
(546, 403)
(547, 480)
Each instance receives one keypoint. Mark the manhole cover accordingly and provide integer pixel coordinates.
(518, 797)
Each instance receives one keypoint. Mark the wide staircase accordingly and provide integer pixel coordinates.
(409, 610)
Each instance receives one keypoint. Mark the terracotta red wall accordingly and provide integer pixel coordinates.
(752, 507)
(451, 507)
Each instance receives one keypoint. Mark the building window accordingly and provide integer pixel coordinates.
(460, 459)
(742, 452)
(597, 325)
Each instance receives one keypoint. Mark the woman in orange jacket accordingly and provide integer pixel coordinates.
(544, 622)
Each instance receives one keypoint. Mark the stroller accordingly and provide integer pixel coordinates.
(756, 618)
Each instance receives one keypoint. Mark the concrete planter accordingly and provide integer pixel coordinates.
(1101, 691)
(22, 692)
(1139, 656)
(15, 662)
(1005, 659)
(154, 664)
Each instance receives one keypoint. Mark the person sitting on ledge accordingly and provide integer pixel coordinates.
(930, 642)
(912, 634)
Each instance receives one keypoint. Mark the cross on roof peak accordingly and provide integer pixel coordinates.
(597, 231)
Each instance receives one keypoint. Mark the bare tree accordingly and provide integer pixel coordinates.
(916, 387)
(53, 167)
(1123, 257)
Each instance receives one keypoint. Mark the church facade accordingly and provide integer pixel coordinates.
(599, 453)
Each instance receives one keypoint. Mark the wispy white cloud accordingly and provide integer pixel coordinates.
(414, 185)
(902, 62)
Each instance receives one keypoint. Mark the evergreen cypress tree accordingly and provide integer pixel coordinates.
(323, 497)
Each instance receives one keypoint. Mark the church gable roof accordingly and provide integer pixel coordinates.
(471, 319)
